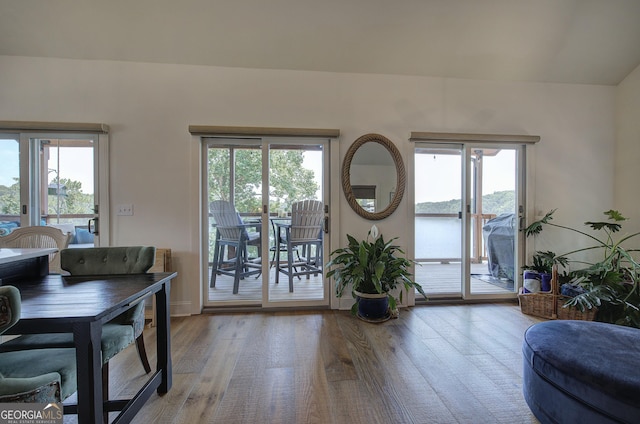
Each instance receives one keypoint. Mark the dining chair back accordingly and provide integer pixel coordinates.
(39, 237)
(115, 261)
(108, 260)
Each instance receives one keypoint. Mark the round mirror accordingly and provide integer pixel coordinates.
(373, 176)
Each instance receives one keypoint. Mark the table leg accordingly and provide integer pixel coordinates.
(163, 336)
(87, 337)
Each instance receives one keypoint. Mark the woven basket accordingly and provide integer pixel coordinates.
(550, 305)
(571, 312)
(540, 304)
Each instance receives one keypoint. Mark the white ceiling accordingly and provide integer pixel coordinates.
(573, 41)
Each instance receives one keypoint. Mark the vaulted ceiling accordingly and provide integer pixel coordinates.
(572, 41)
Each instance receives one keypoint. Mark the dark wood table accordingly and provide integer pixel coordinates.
(80, 305)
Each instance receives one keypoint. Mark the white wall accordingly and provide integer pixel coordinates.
(154, 159)
(627, 169)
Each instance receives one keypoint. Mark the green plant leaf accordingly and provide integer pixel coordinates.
(536, 227)
(393, 304)
(354, 309)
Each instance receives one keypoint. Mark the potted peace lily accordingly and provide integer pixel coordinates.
(372, 270)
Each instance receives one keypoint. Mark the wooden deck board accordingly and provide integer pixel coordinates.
(435, 278)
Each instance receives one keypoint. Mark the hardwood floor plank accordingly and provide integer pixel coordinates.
(278, 401)
(371, 369)
(310, 378)
(312, 403)
(247, 388)
(164, 409)
(400, 372)
(338, 364)
(211, 384)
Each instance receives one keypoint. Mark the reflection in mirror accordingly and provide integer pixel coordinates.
(365, 196)
(373, 176)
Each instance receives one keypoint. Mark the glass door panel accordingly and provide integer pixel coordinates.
(493, 219)
(296, 217)
(438, 227)
(67, 195)
(234, 231)
(9, 184)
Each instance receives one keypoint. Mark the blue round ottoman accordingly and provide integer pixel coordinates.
(582, 372)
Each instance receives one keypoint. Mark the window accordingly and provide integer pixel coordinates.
(55, 174)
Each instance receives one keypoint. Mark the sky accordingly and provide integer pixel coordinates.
(8, 161)
(437, 176)
(76, 163)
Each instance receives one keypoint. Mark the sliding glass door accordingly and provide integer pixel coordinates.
(468, 200)
(256, 254)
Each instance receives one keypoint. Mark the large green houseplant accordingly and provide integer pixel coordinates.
(610, 283)
(371, 269)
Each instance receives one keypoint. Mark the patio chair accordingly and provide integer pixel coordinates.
(32, 376)
(233, 234)
(41, 237)
(303, 234)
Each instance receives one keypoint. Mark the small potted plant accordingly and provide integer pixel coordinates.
(372, 269)
(541, 266)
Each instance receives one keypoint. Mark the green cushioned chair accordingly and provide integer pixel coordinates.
(27, 376)
(121, 331)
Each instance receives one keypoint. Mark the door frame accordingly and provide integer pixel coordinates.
(524, 180)
(329, 182)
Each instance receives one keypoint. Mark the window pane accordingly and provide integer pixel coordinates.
(68, 166)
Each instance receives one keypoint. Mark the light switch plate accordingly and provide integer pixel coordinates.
(125, 210)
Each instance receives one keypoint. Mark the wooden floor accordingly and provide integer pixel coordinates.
(435, 364)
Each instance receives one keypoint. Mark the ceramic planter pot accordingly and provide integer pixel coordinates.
(545, 282)
(373, 307)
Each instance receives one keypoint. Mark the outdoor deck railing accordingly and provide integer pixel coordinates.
(438, 237)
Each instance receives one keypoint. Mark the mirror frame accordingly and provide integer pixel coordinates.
(400, 176)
